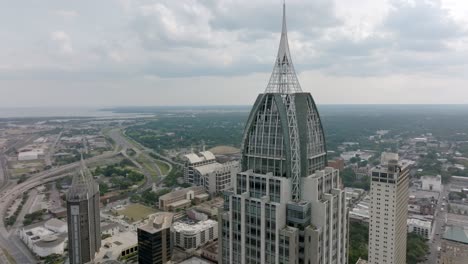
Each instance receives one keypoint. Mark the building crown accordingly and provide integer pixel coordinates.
(283, 78)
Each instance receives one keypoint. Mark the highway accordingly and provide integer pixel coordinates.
(3, 171)
(50, 153)
(116, 135)
(167, 159)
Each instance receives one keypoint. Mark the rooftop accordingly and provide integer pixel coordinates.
(113, 246)
(157, 222)
(457, 234)
(189, 227)
(204, 156)
(224, 150)
(51, 240)
(54, 222)
(181, 192)
(208, 168)
(418, 222)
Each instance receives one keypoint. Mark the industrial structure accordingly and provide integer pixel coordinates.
(388, 211)
(83, 216)
(285, 206)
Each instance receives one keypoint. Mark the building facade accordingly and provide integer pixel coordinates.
(204, 170)
(190, 236)
(285, 206)
(388, 211)
(83, 216)
(420, 227)
(182, 198)
(154, 239)
(193, 160)
(431, 183)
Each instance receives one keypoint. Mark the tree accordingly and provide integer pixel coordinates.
(22, 178)
(362, 163)
(103, 188)
(53, 259)
(353, 160)
(358, 237)
(416, 249)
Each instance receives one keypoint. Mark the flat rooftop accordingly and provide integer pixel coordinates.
(194, 227)
(457, 234)
(181, 192)
(113, 246)
(157, 222)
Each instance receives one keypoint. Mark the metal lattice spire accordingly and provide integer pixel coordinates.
(283, 78)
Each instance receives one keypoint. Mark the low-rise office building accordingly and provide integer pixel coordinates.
(420, 227)
(204, 170)
(190, 235)
(182, 198)
(45, 238)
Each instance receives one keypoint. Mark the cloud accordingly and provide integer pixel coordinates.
(422, 25)
(66, 14)
(108, 41)
(63, 41)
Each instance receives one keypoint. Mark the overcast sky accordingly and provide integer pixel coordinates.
(216, 52)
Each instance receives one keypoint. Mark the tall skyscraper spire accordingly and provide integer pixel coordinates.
(285, 206)
(283, 78)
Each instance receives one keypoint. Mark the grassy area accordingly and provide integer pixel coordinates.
(10, 259)
(19, 171)
(145, 163)
(163, 167)
(136, 212)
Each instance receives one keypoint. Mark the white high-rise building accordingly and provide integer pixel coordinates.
(388, 211)
(286, 205)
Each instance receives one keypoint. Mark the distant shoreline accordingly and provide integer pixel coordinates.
(128, 111)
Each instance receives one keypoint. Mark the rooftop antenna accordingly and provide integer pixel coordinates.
(283, 78)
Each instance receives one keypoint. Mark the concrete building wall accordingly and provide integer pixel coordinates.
(431, 183)
(191, 240)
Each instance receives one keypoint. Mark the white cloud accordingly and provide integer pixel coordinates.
(67, 14)
(224, 44)
(63, 40)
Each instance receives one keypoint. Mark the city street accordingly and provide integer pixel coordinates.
(438, 227)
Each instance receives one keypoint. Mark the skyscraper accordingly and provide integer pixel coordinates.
(83, 216)
(388, 212)
(285, 206)
(154, 239)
